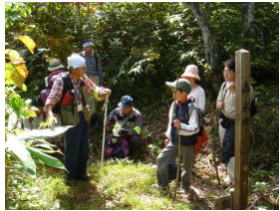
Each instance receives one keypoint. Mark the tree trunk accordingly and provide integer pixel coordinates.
(211, 54)
(249, 17)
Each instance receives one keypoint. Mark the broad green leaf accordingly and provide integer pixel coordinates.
(19, 149)
(44, 133)
(45, 158)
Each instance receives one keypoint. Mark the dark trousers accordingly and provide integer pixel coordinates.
(134, 144)
(77, 148)
(228, 144)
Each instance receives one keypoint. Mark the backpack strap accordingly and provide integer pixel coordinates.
(225, 92)
(67, 84)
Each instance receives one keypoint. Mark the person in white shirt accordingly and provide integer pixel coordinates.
(197, 94)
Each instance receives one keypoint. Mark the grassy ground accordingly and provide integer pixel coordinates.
(125, 184)
(116, 185)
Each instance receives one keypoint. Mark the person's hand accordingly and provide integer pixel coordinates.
(123, 132)
(166, 141)
(52, 120)
(106, 92)
(177, 123)
(219, 105)
(231, 86)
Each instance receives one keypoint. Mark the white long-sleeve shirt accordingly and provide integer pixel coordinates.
(186, 129)
(197, 95)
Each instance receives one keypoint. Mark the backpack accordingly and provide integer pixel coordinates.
(49, 81)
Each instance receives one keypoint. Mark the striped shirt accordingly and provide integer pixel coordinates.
(93, 64)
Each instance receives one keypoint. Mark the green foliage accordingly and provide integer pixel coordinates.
(145, 44)
(25, 149)
(264, 128)
(26, 192)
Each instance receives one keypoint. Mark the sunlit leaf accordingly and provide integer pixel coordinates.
(19, 149)
(22, 70)
(45, 158)
(16, 72)
(28, 42)
(44, 133)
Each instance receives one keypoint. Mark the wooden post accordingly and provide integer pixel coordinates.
(242, 132)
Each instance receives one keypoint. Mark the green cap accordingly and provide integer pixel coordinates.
(181, 84)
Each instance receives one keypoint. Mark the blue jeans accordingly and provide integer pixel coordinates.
(77, 148)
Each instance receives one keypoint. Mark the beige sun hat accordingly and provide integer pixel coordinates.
(191, 71)
(55, 64)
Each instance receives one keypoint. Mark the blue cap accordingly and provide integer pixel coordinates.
(87, 44)
(125, 102)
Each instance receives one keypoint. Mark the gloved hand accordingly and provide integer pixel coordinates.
(123, 132)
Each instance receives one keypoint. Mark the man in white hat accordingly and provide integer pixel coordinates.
(75, 113)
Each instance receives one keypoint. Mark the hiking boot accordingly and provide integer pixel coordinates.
(160, 188)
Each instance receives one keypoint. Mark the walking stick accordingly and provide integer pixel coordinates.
(214, 149)
(216, 163)
(104, 128)
(178, 166)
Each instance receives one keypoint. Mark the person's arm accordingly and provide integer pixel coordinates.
(170, 114)
(53, 98)
(219, 102)
(97, 91)
(201, 100)
(191, 128)
(137, 129)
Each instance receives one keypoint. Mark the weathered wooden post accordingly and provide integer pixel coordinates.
(242, 130)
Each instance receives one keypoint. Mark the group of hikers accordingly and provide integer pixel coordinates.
(72, 100)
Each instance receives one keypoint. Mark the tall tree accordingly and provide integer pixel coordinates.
(210, 48)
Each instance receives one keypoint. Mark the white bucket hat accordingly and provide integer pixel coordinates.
(191, 71)
(76, 61)
(55, 64)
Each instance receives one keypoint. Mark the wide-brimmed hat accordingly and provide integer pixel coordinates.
(180, 84)
(125, 102)
(191, 71)
(55, 64)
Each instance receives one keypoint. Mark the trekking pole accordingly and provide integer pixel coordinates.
(178, 166)
(104, 128)
(215, 152)
(216, 163)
